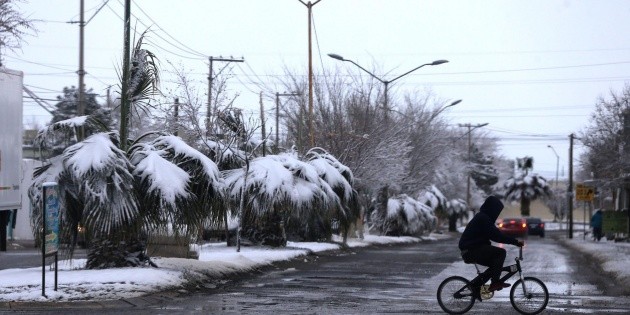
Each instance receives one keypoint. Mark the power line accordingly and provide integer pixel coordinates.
(192, 51)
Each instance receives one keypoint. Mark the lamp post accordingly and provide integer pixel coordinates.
(387, 82)
(443, 108)
(557, 162)
(470, 129)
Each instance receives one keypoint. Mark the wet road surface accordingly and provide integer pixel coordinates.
(400, 279)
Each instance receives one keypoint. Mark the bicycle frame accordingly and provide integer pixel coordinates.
(483, 277)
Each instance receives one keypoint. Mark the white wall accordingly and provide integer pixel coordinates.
(23, 229)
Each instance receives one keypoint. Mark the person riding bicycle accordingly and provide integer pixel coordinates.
(475, 242)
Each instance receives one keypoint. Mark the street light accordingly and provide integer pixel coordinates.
(443, 108)
(557, 162)
(387, 82)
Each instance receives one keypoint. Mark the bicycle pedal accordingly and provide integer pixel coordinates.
(485, 293)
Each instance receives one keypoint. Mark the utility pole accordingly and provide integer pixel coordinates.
(124, 91)
(176, 118)
(309, 6)
(278, 116)
(470, 127)
(570, 188)
(210, 79)
(81, 72)
(262, 125)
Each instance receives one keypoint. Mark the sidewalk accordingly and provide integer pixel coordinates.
(612, 257)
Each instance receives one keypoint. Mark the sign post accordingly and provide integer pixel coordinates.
(51, 204)
(584, 193)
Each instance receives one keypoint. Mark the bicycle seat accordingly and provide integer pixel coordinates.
(466, 258)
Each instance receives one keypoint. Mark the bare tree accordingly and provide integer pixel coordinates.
(604, 138)
(13, 26)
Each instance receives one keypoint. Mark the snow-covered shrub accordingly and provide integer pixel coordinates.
(404, 216)
(299, 196)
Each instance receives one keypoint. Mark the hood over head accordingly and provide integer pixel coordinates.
(492, 207)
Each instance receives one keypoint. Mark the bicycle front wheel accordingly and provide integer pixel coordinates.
(529, 296)
(455, 296)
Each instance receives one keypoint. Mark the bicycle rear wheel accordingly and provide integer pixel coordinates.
(455, 296)
(534, 301)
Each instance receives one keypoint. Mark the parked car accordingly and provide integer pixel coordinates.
(535, 226)
(516, 227)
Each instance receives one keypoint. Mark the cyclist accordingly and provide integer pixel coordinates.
(475, 242)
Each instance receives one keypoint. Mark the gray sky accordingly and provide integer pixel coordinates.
(531, 69)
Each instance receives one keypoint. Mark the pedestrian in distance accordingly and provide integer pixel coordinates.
(475, 242)
(596, 224)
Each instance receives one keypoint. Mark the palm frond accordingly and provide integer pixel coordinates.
(101, 174)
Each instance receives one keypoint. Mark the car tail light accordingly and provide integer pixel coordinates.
(500, 225)
(542, 225)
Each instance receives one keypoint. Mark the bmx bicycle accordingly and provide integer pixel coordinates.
(528, 295)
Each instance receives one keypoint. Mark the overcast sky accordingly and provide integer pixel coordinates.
(531, 69)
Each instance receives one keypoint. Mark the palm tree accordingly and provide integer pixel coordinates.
(404, 216)
(340, 178)
(524, 187)
(282, 193)
(121, 196)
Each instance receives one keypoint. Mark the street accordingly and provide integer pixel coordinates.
(384, 279)
(404, 279)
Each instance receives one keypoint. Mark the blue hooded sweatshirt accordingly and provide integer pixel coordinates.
(482, 229)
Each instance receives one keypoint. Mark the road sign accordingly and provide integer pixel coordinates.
(584, 193)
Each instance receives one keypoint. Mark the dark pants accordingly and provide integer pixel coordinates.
(489, 256)
(597, 233)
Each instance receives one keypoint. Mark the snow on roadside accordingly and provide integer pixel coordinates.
(613, 256)
(215, 262)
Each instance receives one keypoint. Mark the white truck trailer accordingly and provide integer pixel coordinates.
(10, 149)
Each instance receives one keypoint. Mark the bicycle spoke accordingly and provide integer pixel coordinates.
(454, 296)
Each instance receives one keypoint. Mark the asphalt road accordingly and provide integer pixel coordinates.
(399, 279)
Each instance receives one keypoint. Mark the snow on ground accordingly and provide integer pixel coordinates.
(216, 261)
(612, 256)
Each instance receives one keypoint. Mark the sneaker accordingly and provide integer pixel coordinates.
(498, 286)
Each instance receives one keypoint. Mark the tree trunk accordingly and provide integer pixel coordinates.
(452, 222)
(525, 203)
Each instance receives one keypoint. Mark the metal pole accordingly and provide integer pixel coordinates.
(278, 116)
(277, 122)
(209, 113)
(309, 7)
(310, 79)
(470, 129)
(210, 80)
(386, 102)
(262, 125)
(81, 72)
(176, 118)
(570, 187)
(124, 93)
(469, 166)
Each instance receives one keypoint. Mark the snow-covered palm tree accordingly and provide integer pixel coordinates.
(122, 196)
(117, 196)
(340, 178)
(283, 189)
(404, 216)
(525, 187)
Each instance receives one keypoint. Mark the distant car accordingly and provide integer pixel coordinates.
(516, 227)
(535, 226)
